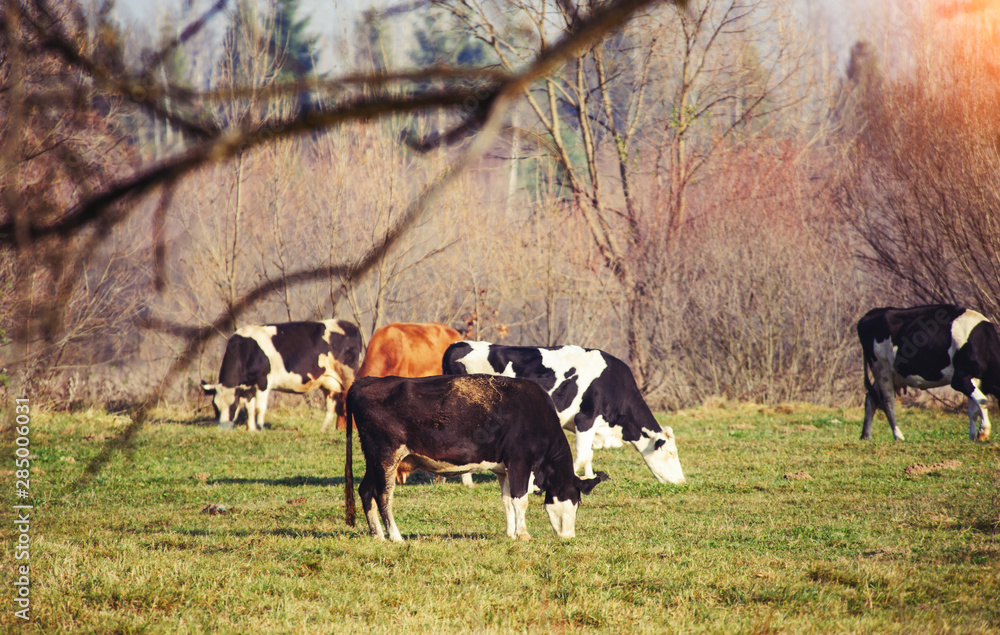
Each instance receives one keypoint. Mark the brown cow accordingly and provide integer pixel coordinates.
(407, 349)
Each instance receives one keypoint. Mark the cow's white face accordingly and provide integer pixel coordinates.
(562, 515)
(224, 401)
(659, 451)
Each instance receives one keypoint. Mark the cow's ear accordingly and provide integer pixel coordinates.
(210, 389)
(587, 485)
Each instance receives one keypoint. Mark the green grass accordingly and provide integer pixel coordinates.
(861, 547)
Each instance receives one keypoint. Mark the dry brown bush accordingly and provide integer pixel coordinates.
(68, 303)
(759, 300)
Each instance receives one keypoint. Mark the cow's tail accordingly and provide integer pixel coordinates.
(348, 466)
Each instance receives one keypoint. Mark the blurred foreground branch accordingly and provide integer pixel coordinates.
(82, 199)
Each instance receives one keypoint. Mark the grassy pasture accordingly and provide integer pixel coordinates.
(861, 546)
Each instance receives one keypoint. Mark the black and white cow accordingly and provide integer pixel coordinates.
(457, 425)
(594, 393)
(292, 357)
(926, 347)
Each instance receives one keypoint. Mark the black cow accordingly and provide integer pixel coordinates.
(926, 347)
(291, 357)
(456, 425)
(595, 395)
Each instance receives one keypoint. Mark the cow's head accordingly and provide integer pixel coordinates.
(659, 451)
(226, 401)
(562, 511)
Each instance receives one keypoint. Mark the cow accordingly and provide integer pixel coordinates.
(408, 349)
(455, 425)
(292, 357)
(595, 395)
(926, 347)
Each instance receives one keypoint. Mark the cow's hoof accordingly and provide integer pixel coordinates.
(984, 435)
(524, 536)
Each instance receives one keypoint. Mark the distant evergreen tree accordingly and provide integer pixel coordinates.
(441, 41)
(290, 43)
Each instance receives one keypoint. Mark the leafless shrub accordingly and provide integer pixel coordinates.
(762, 305)
(921, 186)
(68, 300)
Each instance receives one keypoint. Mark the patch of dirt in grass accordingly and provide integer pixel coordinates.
(296, 501)
(801, 475)
(805, 427)
(919, 469)
(94, 437)
(742, 426)
(200, 476)
(212, 509)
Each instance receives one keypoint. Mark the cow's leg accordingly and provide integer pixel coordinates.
(886, 388)
(519, 487)
(977, 409)
(508, 505)
(385, 508)
(368, 491)
(341, 409)
(984, 423)
(262, 396)
(331, 407)
(384, 497)
(890, 414)
(251, 414)
(467, 480)
(520, 504)
(585, 452)
(866, 427)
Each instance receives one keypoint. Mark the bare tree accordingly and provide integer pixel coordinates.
(603, 111)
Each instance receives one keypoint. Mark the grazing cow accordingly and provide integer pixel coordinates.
(594, 393)
(454, 425)
(926, 347)
(290, 357)
(407, 349)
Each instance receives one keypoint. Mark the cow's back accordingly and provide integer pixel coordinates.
(462, 419)
(921, 336)
(407, 349)
(578, 379)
